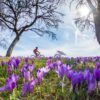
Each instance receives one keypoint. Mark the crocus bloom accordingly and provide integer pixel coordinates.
(29, 86)
(14, 63)
(39, 75)
(75, 80)
(49, 63)
(61, 70)
(26, 65)
(54, 65)
(96, 72)
(27, 75)
(3, 88)
(2, 63)
(98, 64)
(17, 61)
(26, 60)
(81, 76)
(69, 67)
(69, 74)
(10, 67)
(91, 83)
(23, 69)
(31, 68)
(45, 69)
(25, 88)
(59, 62)
(10, 83)
(84, 61)
(86, 73)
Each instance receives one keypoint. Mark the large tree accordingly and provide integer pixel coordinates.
(87, 22)
(20, 16)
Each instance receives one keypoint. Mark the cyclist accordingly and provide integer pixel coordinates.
(36, 52)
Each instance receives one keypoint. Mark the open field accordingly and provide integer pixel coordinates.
(50, 78)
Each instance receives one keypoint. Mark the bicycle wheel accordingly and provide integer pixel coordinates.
(42, 56)
(33, 56)
(57, 56)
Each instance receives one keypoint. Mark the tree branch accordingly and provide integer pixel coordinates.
(27, 26)
(91, 6)
(6, 24)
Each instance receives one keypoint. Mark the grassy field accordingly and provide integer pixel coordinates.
(51, 86)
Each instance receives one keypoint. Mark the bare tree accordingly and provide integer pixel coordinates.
(94, 23)
(21, 16)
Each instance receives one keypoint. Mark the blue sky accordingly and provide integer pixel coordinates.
(69, 40)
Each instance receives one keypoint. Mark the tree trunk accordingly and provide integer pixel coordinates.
(11, 47)
(96, 16)
(97, 25)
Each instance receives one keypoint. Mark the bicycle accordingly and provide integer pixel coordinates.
(59, 54)
(39, 56)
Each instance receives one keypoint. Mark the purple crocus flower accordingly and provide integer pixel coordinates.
(54, 65)
(26, 65)
(27, 75)
(23, 69)
(61, 70)
(2, 63)
(14, 63)
(26, 60)
(81, 76)
(25, 88)
(69, 67)
(68, 59)
(86, 73)
(97, 64)
(10, 67)
(74, 80)
(45, 69)
(84, 61)
(91, 83)
(39, 75)
(17, 61)
(31, 68)
(3, 88)
(75, 63)
(59, 62)
(29, 86)
(10, 63)
(49, 63)
(96, 72)
(10, 83)
(69, 74)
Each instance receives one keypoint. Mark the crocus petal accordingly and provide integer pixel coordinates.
(39, 75)
(69, 74)
(27, 75)
(96, 72)
(31, 68)
(91, 83)
(3, 89)
(2, 63)
(31, 85)
(75, 80)
(25, 88)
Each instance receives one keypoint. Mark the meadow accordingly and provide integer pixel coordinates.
(24, 78)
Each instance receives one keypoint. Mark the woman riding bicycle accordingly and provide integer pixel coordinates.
(36, 52)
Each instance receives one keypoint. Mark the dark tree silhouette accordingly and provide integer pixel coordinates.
(20, 16)
(82, 23)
